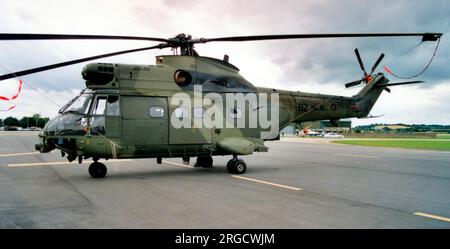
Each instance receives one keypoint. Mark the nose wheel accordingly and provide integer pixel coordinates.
(236, 166)
(97, 170)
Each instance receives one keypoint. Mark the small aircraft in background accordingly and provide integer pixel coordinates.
(307, 132)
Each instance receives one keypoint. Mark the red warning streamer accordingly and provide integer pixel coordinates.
(16, 95)
(13, 97)
(5, 110)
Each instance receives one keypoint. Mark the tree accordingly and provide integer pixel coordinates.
(10, 121)
(25, 122)
(1, 122)
(41, 122)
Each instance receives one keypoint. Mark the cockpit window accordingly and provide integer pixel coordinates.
(79, 105)
(112, 106)
(100, 106)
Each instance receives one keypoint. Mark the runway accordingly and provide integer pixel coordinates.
(299, 183)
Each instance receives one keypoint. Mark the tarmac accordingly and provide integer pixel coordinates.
(299, 183)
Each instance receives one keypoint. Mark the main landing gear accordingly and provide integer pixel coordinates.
(186, 160)
(204, 161)
(236, 166)
(97, 170)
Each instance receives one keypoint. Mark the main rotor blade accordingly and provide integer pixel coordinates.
(353, 83)
(360, 61)
(376, 64)
(13, 36)
(67, 63)
(307, 36)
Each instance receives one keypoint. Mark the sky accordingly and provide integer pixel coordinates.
(317, 66)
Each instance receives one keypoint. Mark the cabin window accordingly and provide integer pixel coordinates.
(199, 112)
(236, 113)
(112, 106)
(181, 112)
(156, 112)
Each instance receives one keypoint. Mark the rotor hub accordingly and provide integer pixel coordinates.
(184, 42)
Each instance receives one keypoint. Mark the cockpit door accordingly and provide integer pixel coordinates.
(105, 118)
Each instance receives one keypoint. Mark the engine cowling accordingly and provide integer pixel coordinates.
(98, 74)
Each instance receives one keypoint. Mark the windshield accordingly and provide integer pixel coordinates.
(78, 105)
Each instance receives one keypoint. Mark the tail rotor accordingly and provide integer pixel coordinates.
(366, 77)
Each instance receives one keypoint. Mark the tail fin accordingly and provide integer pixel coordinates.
(365, 99)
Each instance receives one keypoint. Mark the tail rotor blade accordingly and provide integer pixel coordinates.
(376, 63)
(360, 61)
(353, 83)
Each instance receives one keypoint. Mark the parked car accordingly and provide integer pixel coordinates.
(10, 128)
(333, 135)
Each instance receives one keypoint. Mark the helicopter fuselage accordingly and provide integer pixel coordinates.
(135, 111)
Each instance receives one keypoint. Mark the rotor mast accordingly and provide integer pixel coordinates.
(184, 42)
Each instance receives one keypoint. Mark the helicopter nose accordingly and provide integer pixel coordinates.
(65, 125)
(51, 128)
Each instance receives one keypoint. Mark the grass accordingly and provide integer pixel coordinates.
(410, 143)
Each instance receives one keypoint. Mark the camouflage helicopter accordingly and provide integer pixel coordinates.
(134, 111)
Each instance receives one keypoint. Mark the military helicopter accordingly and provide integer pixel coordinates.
(134, 111)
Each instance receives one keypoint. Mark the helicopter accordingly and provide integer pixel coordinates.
(187, 105)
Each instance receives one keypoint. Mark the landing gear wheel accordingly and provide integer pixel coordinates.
(230, 165)
(236, 166)
(97, 170)
(204, 161)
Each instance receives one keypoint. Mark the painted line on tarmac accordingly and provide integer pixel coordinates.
(178, 164)
(266, 182)
(432, 216)
(17, 134)
(353, 155)
(20, 154)
(12, 165)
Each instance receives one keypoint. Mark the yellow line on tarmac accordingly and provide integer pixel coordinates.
(432, 216)
(20, 154)
(353, 155)
(266, 182)
(60, 163)
(178, 164)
